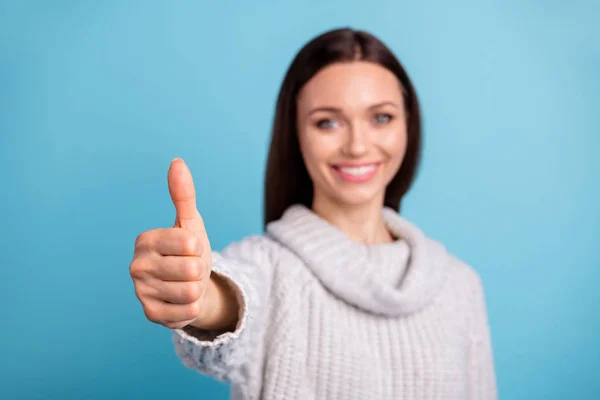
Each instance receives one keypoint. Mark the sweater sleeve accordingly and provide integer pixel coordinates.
(233, 356)
(482, 377)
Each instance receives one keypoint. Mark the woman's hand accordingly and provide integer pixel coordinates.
(171, 268)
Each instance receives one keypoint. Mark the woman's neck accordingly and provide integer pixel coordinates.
(361, 223)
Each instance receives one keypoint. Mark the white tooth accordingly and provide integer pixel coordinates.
(357, 171)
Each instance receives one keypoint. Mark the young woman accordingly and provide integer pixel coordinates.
(341, 298)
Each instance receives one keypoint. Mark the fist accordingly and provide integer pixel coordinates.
(171, 267)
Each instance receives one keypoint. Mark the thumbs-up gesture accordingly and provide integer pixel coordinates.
(183, 195)
(171, 268)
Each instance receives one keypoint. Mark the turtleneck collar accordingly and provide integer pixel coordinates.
(390, 279)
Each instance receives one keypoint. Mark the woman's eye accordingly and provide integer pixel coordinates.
(383, 118)
(326, 123)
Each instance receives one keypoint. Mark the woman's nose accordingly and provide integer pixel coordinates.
(356, 141)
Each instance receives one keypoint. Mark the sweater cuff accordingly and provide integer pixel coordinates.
(213, 352)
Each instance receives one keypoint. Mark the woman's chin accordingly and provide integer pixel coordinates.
(350, 195)
(358, 197)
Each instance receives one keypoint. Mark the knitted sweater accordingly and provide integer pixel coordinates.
(325, 317)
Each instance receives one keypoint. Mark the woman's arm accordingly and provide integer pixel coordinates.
(221, 310)
(227, 346)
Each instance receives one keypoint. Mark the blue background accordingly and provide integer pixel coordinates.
(96, 98)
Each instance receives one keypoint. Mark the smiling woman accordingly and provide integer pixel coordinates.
(341, 298)
(350, 84)
(352, 134)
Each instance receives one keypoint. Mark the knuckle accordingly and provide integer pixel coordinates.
(137, 268)
(190, 292)
(191, 243)
(191, 268)
(193, 310)
(141, 240)
(152, 313)
(139, 295)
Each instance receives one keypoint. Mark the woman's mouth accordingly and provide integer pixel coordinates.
(357, 173)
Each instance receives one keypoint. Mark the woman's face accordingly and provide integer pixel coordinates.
(352, 132)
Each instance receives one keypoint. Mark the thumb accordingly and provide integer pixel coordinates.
(183, 195)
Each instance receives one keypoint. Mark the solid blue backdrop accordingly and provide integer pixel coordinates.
(96, 98)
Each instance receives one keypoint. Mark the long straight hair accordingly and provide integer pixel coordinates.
(287, 181)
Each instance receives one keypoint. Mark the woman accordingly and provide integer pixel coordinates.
(341, 298)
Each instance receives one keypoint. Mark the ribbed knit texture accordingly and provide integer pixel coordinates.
(324, 317)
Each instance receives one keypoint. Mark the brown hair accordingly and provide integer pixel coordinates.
(286, 180)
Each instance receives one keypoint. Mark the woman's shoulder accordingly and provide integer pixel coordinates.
(463, 280)
(460, 274)
(465, 274)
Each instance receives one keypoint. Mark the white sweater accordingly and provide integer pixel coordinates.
(324, 317)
